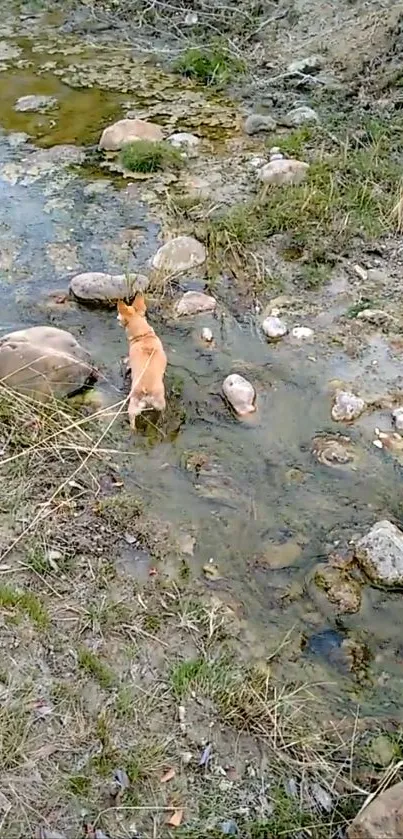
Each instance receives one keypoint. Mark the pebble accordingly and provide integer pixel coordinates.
(361, 272)
(229, 828)
(184, 141)
(302, 333)
(300, 116)
(310, 64)
(347, 406)
(207, 335)
(194, 302)
(273, 327)
(397, 418)
(377, 317)
(322, 797)
(255, 123)
(240, 394)
(380, 554)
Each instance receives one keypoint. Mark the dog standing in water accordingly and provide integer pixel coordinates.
(147, 360)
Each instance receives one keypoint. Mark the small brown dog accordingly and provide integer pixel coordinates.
(147, 360)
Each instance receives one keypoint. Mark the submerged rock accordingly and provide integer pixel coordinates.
(347, 406)
(193, 302)
(273, 327)
(341, 589)
(382, 818)
(179, 255)
(97, 287)
(43, 361)
(128, 131)
(300, 116)
(36, 103)
(240, 394)
(9, 51)
(333, 451)
(255, 123)
(380, 554)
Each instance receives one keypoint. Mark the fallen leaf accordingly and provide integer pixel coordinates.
(168, 775)
(176, 819)
(44, 833)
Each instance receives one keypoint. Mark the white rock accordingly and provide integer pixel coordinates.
(207, 335)
(300, 116)
(347, 406)
(97, 287)
(240, 394)
(310, 64)
(257, 162)
(380, 553)
(282, 172)
(274, 327)
(397, 419)
(193, 302)
(184, 141)
(179, 255)
(302, 333)
(42, 361)
(35, 103)
(255, 123)
(128, 131)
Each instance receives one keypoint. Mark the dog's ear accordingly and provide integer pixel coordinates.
(123, 311)
(139, 304)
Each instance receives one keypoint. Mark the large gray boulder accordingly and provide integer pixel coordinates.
(105, 289)
(380, 554)
(43, 361)
(382, 818)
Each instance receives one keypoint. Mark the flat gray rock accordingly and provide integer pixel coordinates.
(36, 103)
(106, 289)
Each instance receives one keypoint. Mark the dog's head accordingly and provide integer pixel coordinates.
(126, 313)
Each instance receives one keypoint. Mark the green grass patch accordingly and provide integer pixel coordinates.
(93, 666)
(214, 65)
(351, 191)
(207, 677)
(145, 156)
(24, 601)
(79, 785)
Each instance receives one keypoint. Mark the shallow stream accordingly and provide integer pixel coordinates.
(261, 506)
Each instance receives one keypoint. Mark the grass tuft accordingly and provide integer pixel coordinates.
(351, 191)
(93, 666)
(24, 601)
(213, 65)
(145, 156)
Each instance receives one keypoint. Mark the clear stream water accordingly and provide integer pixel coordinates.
(264, 486)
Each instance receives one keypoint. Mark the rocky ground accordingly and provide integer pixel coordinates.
(134, 699)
